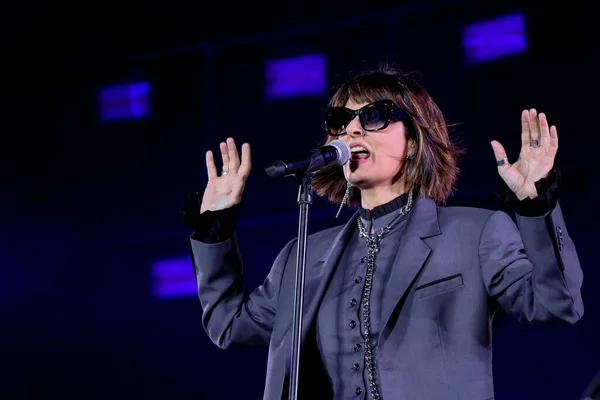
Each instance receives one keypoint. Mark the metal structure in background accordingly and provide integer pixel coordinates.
(388, 16)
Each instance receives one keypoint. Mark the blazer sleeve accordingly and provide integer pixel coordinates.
(230, 316)
(532, 272)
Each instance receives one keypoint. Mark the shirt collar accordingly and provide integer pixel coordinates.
(384, 209)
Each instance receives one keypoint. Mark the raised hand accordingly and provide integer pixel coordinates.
(226, 190)
(539, 144)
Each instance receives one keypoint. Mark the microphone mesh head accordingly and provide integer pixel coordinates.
(343, 151)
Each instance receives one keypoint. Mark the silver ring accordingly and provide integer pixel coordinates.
(224, 173)
(502, 162)
(535, 143)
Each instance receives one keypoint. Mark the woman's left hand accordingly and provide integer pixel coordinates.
(539, 144)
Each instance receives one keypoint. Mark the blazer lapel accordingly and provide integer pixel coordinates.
(314, 293)
(412, 254)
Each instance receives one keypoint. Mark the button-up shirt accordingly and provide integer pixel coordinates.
(340, 328)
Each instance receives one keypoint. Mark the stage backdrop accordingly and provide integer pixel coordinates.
(96, 300)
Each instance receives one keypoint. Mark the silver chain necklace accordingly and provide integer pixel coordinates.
(372, 241)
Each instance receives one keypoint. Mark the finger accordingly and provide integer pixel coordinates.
(525, 136)
(544, 131)
(246, 165)
(234, 158)
(500, 155)
(224, 156)
(533, 125)
(553, 148)
(210, 165)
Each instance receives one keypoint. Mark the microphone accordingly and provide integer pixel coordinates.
(335, 151)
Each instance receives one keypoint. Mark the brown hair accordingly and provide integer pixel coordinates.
(432, 169)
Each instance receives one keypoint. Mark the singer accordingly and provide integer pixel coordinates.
(399, 299)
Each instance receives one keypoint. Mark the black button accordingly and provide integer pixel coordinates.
(358, 279)
(355, 367)
(363, 260)
(357, 347)
(358, 391)
(352, 302)
(352, 324)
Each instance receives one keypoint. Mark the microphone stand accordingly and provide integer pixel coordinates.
(305, 167)
(305, 199)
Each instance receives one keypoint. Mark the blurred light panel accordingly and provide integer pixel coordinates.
(173, 278)
(495, 38)
(298, 76)
(125, 101)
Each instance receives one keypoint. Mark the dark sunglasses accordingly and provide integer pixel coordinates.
(373, 117)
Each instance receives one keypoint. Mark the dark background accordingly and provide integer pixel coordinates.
(87, 206)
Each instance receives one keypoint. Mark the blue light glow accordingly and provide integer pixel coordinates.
(297, 76)
(495, 38)
(173, 278)
(125, 101)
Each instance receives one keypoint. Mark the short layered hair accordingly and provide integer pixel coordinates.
(433, 168)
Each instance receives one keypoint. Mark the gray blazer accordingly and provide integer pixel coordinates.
(454, 267)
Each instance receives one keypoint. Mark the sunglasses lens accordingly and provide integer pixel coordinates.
(375, 117)
(337, 120)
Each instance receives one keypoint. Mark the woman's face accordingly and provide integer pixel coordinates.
(386, 150)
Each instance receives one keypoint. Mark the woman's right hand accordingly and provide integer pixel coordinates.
(226, 190)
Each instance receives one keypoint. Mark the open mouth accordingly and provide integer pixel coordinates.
(359, 155)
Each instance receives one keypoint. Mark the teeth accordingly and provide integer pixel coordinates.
(357, 149)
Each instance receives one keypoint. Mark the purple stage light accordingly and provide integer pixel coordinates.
(297, 76)
(495, 38)
(125, 101)
(173, 278)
